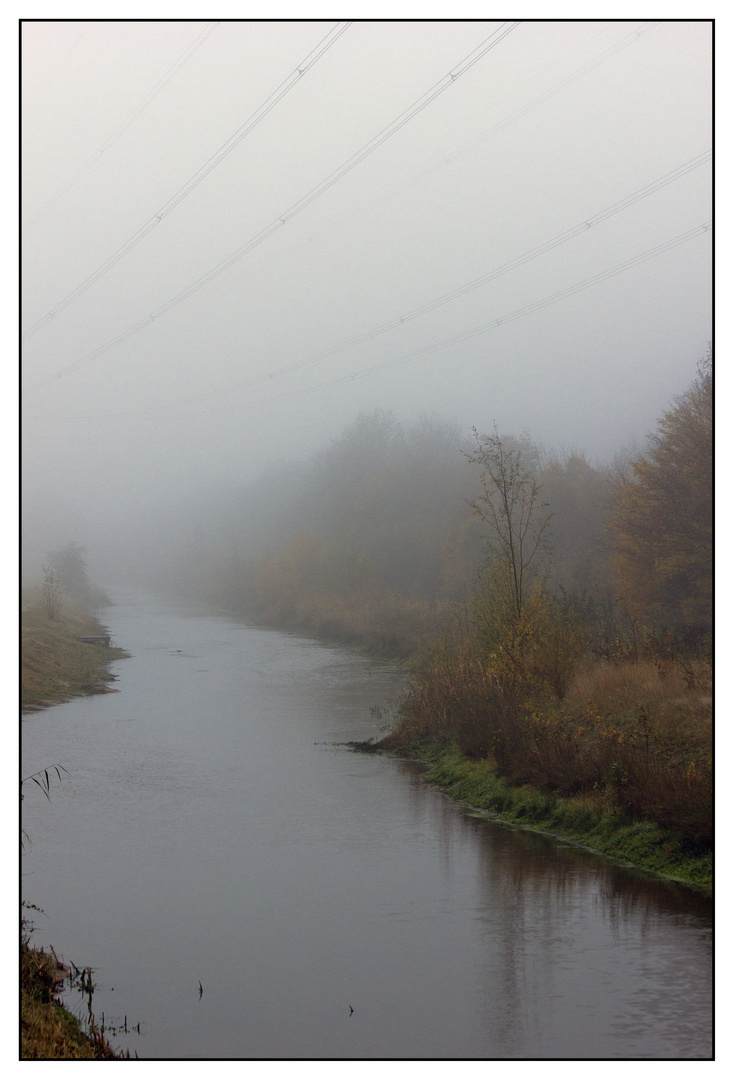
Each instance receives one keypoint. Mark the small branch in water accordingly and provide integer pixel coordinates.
(368, 746)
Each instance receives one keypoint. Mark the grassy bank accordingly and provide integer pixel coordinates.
(633, 736)
(48, 1030)
(621, 763)
(55, 664)
(616, 755)
(578, 819)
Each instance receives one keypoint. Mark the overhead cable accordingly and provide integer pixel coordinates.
(520, 313)
(296, 75)
(535, 103)
(448, 80)
(466, 335)
(534, 253)
(183, 59)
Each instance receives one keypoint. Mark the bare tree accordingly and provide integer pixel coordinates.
(519, 527)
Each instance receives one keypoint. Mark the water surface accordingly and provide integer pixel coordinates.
(210, 832)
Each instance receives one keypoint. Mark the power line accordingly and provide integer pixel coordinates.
(183, 59)
(520, 313)
(579, 229)
(330, 39)
(465, 335)
(448, 80)
(530, 106)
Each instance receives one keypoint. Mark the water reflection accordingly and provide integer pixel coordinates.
(212, 831)
(582, 957)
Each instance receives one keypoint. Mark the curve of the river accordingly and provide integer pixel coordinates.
(330, 905)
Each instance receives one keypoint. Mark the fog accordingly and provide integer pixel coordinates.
(225, 262)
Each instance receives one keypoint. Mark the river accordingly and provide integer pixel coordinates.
(243, 887)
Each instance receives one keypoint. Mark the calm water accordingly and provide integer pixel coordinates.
(210, 832)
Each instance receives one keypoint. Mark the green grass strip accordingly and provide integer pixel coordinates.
(579, 820)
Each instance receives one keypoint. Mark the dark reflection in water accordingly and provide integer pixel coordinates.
(583, 957)
(212, 833)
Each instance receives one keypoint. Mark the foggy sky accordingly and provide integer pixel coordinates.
(555, 124)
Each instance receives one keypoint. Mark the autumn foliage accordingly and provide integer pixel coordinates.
(607, 700)
(557, 615)
(662, 522)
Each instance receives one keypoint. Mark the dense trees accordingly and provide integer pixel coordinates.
(662, 521)
(386, 511)
(535, 687)
(385, 497)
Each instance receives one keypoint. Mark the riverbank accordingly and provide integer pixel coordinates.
(633, 733)
(372, 622)
(579, 820)
(56, 665)
(48, 1030)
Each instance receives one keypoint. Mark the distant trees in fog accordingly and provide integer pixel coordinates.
(386, 515)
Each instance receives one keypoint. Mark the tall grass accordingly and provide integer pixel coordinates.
(372, 619)
(634, 737)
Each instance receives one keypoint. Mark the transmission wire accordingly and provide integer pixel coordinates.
(351, 163)
(119, 131)
(534, 253)
(197, 178)
(465, 335)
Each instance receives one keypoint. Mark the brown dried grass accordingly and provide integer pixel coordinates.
(635, 737)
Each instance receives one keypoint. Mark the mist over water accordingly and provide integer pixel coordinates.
(278, 280)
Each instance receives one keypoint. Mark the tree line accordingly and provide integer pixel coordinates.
(382, 519)
(406, 515)
(602, 699)
(557, 613)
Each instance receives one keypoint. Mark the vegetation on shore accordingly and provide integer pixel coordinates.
(629, 781)
(56, 664)
(576, 716)
(48, 1030)
(556, 616)
(588, 822)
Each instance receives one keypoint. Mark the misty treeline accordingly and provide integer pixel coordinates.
(384, 535)
(65, 581)
(392, 532)
(374, 540)
(557, 614)
(605, 699)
